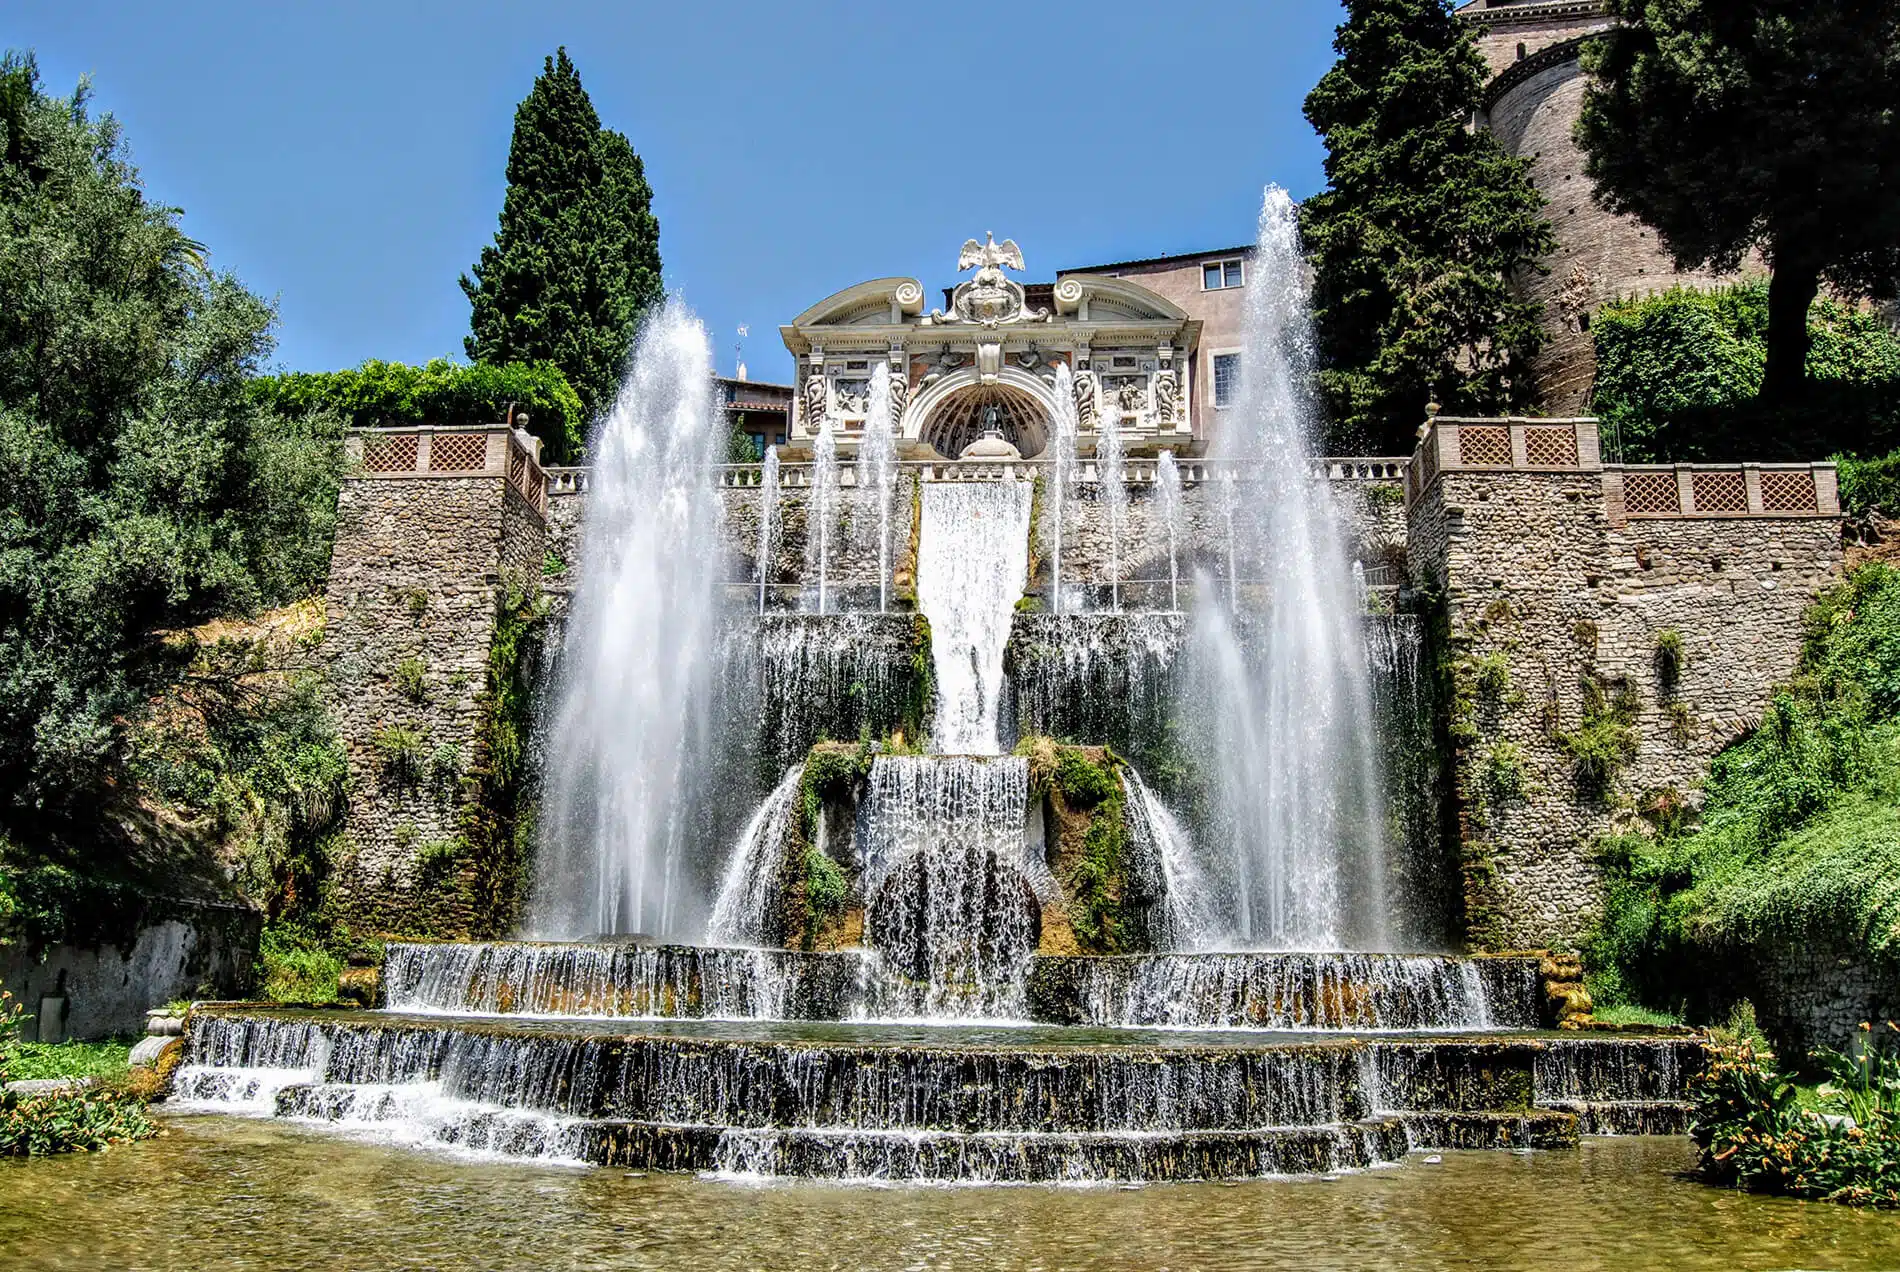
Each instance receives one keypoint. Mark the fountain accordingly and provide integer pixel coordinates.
(1298, 819)
(1060, 476)
(877, 469)
(1113, 488)
(970, 572)
(628, 746)
(1032, 896)
(1168, 498)
(768, 521)
(822, 510)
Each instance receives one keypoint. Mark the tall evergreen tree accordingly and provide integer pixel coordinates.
(1731, 125)
(1414, 241)
(576, 259)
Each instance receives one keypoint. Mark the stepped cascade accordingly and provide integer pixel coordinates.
(1002, 820)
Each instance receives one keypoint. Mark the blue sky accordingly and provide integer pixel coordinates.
(347, 157)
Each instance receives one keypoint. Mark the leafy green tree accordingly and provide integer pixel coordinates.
(1416, 237)
(1735, 125)
(383, 394)
(141, 489)
(576, 260)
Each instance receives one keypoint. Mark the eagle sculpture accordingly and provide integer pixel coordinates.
(990, 254)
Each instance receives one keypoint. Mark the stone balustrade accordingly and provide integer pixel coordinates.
(435, 451)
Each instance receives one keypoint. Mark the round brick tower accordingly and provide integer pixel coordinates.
(1531, 105)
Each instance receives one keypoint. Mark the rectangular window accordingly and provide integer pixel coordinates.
(1220, 275)
(1226, 378)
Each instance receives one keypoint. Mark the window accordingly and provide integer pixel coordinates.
(1220, 275)
(1226, 378)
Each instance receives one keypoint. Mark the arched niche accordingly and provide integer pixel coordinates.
(948, 414)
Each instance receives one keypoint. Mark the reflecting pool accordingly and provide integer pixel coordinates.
(227, 1193)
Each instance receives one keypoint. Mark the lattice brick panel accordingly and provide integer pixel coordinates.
(390, 454)
(1551, 447)
(1650, 494)
(1484, 445)
(1784, 491)
(517, 465)
(458, 452)
(1719, 492)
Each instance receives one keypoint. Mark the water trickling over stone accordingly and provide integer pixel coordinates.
(970, 572)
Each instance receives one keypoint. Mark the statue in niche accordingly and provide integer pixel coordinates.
(1131, 397)
(1030, 358)
(1167, 396)
(1084, 386)
(947, 361)
(817, 403)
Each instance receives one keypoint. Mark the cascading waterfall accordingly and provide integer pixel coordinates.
(822, 510)
(1188, 920)
(1061, 476)
(629, 749)
(877, 468)
(1168, 496)
(952, 890)
(1112, 488)
(768, 521)
(742, 913)
(970, 571)
(1299, 818)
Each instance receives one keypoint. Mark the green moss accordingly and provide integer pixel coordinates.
(1087, 780)
(1503, 776)
(827, 890)
(832, 771)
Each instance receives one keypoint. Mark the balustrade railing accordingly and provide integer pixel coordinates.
(438, 451)
(1135, 472)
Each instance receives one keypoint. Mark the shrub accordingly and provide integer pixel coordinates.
(1504, 778)
(445, 767)
(1491, 673)
(826, 891)
(399, 753)
(1752, 1131)
(1668, 658)
(412, 680)
(1678, 376)
(390, 394)
(295, 966)
(1604, 741)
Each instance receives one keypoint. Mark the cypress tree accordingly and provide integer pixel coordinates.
(1415, 239)
(576, 258)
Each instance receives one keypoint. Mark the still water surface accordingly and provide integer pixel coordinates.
(223, 1193)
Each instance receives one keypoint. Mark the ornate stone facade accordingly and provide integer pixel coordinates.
(996, 345)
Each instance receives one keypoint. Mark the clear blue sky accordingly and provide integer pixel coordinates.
(347, 158)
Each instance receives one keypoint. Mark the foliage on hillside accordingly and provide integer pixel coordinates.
(1416, 237)
(576, 257)
(1799, 837)
(141, 488)
(77, 1120)
(391, 394)
(1678, 376)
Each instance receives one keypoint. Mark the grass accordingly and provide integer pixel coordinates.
(1629, 1014)
(104, 1060)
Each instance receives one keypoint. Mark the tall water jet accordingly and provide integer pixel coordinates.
(1228, 501)
(1112, 490)
(630, 742)
(768, 520)
(877, 467)
(1168, 496)
(1300, 824)
(1061, 476)
(970, 572)
(1188, 918)
(822, 509)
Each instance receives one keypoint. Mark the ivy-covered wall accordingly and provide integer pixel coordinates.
(1591, 671)
(432, 620)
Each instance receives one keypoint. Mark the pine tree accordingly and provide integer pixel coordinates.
(576, 259)
(1415, 239)
(1730, 125)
